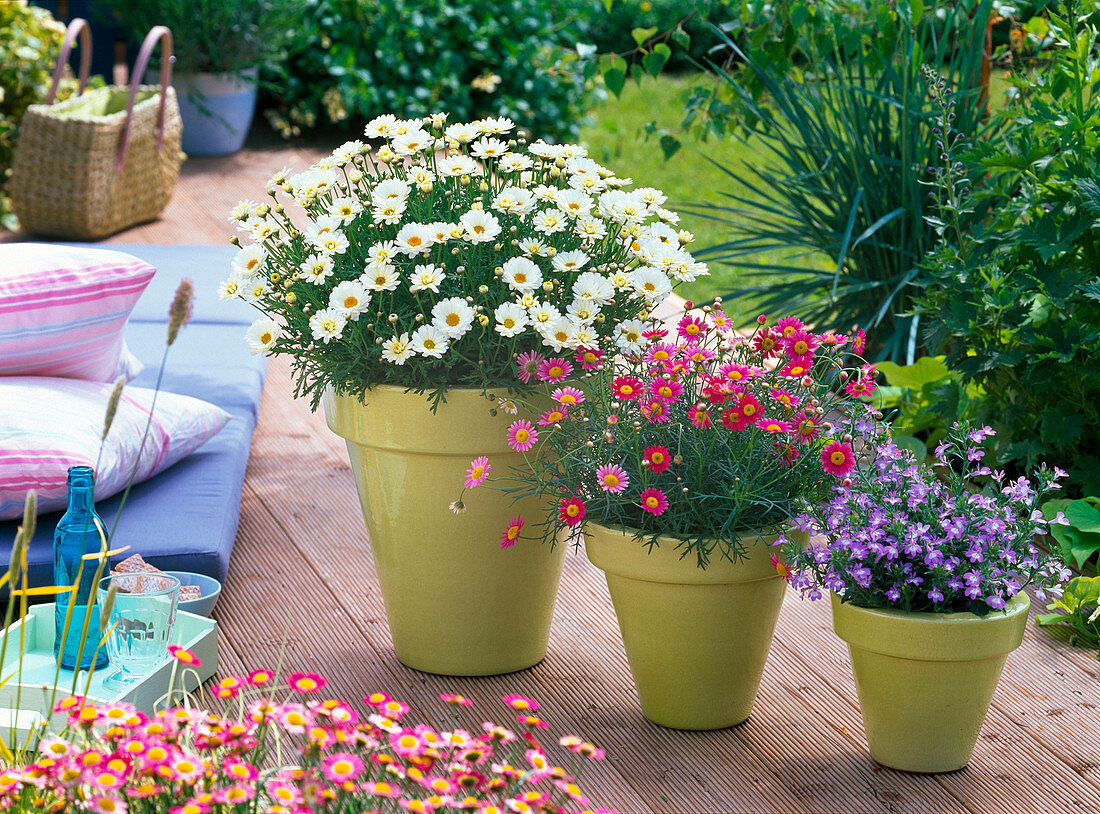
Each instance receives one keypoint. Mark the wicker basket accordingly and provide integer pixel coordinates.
(102, 161)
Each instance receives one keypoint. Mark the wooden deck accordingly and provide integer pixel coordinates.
(302, 584)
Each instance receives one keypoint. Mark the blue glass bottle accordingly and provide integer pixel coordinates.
(76, 535)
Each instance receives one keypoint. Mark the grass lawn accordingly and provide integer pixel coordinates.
(617, 140)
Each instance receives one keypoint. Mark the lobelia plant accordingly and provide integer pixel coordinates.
(705, 436)
(447, 255)
(899, 534)
(188, 760)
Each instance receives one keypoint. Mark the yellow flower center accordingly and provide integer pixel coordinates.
(837, 457)
(610, 480)
(351, 301)
(452, 319)
(522, 436)
(414, 240)
(652, 502)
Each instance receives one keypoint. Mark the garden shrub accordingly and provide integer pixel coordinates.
(1014, 299)
(611, 30)
(353, 59)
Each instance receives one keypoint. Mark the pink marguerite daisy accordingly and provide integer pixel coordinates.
(522, 435)
(552, 417)
(477, 473)
(527, 365)
(567, 396)
(455, 699)
(571, 510)
(691, 327)
(511, 533)
(340, 767)
(184, 656)
(306, 682)
(837, 458)
(788, 325)
(653, 501)
(666, 389)
(588, 358)
(554, 370)
(612, 478)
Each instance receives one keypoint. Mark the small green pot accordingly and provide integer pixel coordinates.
(456, 603)
(925, 680)
(696, 638)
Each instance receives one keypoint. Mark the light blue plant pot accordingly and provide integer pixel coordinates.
(217, 111)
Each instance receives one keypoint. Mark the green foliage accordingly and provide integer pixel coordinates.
(848, 150)
(29, 42)
(1079, 608)
(1079, 538)
(213, 36)
(685, 25)
(352, 59)
(1014, 299)
(923, 400)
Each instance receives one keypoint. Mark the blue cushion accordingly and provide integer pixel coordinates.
(184, 519)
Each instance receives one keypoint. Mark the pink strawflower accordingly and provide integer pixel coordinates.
(571, 511)
(552, 417)
(666, 389)
(184, 656)
(788, 325)
(522, 435)
(455, 699)
(478, 472)
(527, 365)
(657, 459)
(588, 358)
(511, 533)
(306, 682)
(700, 417)
(653, 501)
(612, 478)
(627, 387)
(340, 767)
(801, 343)
(837, 458)
(567, 396)
(859, 343)
(554, 370)
(691, 328)
(521, 702)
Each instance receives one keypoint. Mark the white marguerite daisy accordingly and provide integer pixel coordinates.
(621, 280)
(514, 162)
(380, 126)
(545, 193)
(396, 349)
(345, 209)
(333, 243)
(415, 238)
(514, 201)
(421, 175)
(590, 228)
(559, 334)
(455, 165)
(479, 226)
(261, 229)
(547, 152)
(389, 212)
(384, 278)
(569, 262)
(255, 289)
(327, 324)
(489, 148)
(585, 336)
(666, 215)
(262, 335)
(495, 125)
(511, 318)
(574, 151)
(521, 274)
(441, 231)
(321, 228)
(543, 314)
(548, 222)
(583, 311)
(453, 316)
(250, 260)
(651, 283)
(411, 143)
(462, 132)
(589, 184)
(230, 287)
(390, 190)
(381, 254)
(651, 197)
(593, 286)
(426, 278)
(428, 340)
(573, 202)
(630, 336)
(316, 268)
(350, 298)
(533, 247)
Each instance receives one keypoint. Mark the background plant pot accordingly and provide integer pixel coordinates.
(696, 639)
(455, 602)
(925, 680)
(216, 109)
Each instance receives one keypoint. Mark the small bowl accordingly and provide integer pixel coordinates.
(211, 590)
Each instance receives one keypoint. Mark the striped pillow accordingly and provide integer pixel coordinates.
(51, 424)
(63, 311)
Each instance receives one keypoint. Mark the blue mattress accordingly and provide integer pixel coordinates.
(185, 518)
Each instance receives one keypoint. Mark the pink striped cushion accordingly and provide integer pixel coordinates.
(48, 425)
(63, 311)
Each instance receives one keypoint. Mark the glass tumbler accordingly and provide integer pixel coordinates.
(140, 626)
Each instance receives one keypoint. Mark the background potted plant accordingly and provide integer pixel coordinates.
(219, 47)
(681, 460)
(927, 576)
(438, 265)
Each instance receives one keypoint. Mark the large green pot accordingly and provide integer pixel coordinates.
(925, 680)
(455, 602)
(696, 638)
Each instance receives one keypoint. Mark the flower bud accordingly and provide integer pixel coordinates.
(762, 318)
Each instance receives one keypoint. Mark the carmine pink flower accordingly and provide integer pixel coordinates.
(522, 435)
(511, 533)
(666, 389)
(588, 358)
(552, 417)
(860, 387)
(184, 656)
(700, 417)
(785, 398)
(837, 458)
(455, 699)
(801, 343)
(655, 333)
(477, 472)
(660, 353)
(859, 343)
(788, 325)
(774, 425)
(567, 396)
(766, 343)
(521, 702)
(656, 411)
(794, 370)
(571, 511)
(554, 370)
(653, 501)
(657, 459)
(691, 328)
(612, 478)
(527, 365)
(306, 682)
(341, 767)
(627, 387)
(806, 427)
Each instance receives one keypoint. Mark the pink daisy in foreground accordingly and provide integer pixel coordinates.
(788, 325)
(455, 699)
(588, 358)
(571, 510)
(306, 682)
(837, 458)
(511, 533)
(774, 425)
(653, 501)
(554, 370)
(527, 365)
(860, 342)
(521, 702)
(551, 417)
(522, 435)
(657, 459)
(478, 472)
(184, 656)
(612, 478)
(567, 396)
(341, 767)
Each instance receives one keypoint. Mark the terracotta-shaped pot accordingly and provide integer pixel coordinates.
(696, 638)
(456, 603)
(925, 680)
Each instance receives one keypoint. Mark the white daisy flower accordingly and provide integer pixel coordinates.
(511, 318)
(630, 335)
(621, 280)
(389, 212)
(230, 287)
(316, 268)
(590, 184)
(415, 238)
(453, 316)
(345, 209)
(569, 262)
(321, 228)
(575, 151)
(462, 132)
(346, 152)
(255, 289)
(545, 193)
(396, 349)
(666, 216)
(421, 175)
(455, 165)
(390, 190)
(350, 298)
(590, 228)
(426, 278)
(411, 143)
(381, 254)
(479, 226)
(489, 148)
(261, 229)
(583, 311)
(495, 125)
(327, 324)
(559, 334)
(521, 274)
(547, 152)
(514, 162)
(384, 278)
(585, 336)
(380, 126)
(548, 222)
(250, 260)
(441, 232)
(662, 232)
(543, 314)
(651, 283)
(333, 243)
(593, 286)
(573, 202)
(651, 197)
(514, 201)
(528, 300)
(428, 340)
(262, 335)
(533, 247)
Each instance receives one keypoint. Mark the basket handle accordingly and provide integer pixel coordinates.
(157, 33)
(77, 26)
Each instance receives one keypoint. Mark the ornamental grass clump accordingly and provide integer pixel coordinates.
(903, 535)
(186, 760)
(439, 259)
(698, 432)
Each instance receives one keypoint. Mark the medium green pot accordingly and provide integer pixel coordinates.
(925, 680)
(455, 602)
(696, 638)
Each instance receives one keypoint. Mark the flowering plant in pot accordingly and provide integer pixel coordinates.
(437, 265)
(679, 459)
(927, 575)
